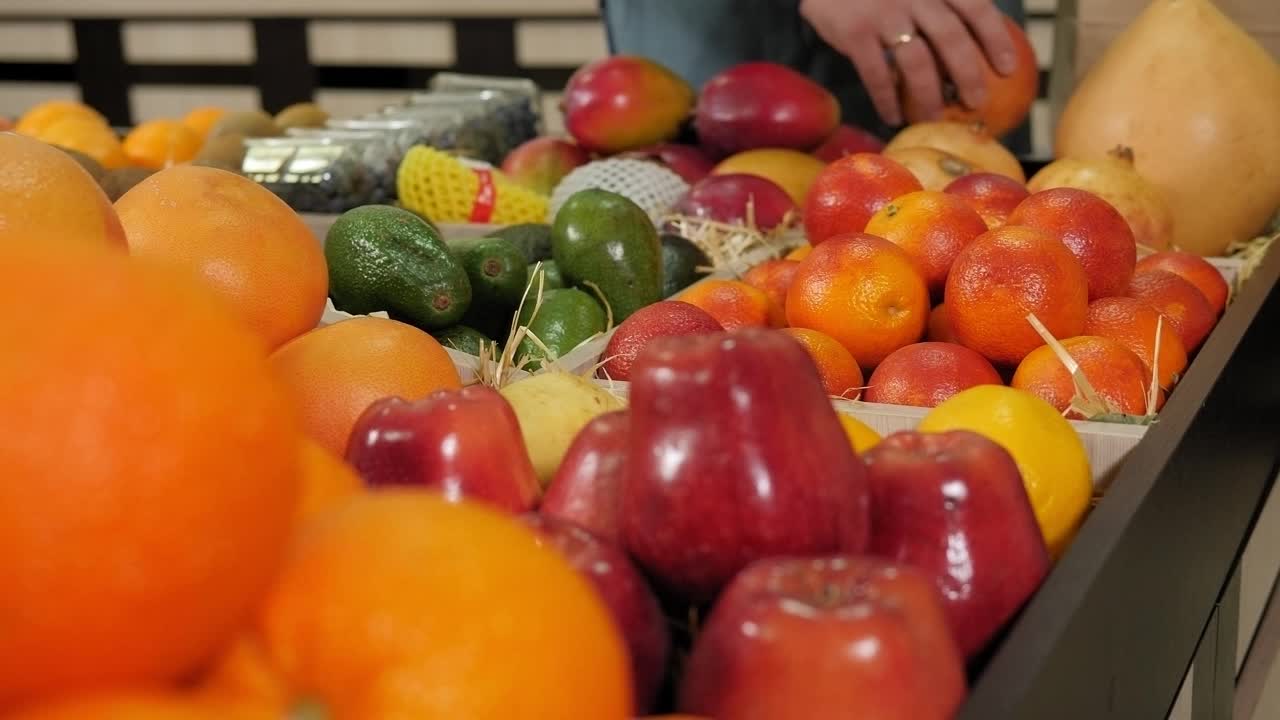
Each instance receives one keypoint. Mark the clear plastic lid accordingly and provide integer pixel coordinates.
(314, 174)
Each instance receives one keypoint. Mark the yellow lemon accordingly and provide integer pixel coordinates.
(1049, 453)
(860, 434)
(792, 170)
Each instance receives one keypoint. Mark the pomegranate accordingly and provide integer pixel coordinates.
(1114, 179)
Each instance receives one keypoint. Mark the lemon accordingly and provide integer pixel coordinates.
(860, 434)
(791, 170)
(1050, 456)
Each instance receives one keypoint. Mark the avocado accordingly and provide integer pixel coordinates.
(533, 239)
(384, 258)
(680, 262)
(463, 339)
(565, 319)
(552, 279)
(498, 275)
(606, 239)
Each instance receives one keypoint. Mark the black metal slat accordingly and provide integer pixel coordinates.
(283, 68)
(101, 70)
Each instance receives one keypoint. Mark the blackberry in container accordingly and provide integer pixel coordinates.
(376, 151)
(313, 175)
(527, 120)
(480, 135)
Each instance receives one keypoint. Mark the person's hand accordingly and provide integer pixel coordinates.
(908, 33)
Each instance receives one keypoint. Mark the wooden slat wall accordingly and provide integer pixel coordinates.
(350, 64)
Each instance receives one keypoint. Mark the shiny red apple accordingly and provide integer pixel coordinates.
(624, 592)
(953, 506)
(734, 454)
(541, 163)
(847, 140)
(687, 161)
(587, 487)
(464, 443)
(832, 637)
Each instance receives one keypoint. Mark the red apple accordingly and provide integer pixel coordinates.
(763, 104)
(541, 163)
(625, 102)
(735, 454)
(724, 198)
(624, 592)
(953, 506)
(836, 637)
(848, 140)
(687, 161)
(587, 487)
(465, 443)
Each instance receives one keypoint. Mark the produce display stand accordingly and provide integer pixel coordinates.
(1151, 585)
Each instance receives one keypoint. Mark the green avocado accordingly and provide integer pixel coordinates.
(462, 338)
(552, 279)
(533, 239)
(680, 262)
(382, 258)
(604, 238)
(565, 319)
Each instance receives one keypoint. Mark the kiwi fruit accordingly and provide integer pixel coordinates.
(116, 183)
(91, 166)
(302, 115)
(222, 151)
(251, 124)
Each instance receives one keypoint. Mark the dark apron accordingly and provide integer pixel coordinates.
(699, 38)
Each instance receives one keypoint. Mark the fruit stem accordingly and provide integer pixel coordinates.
(1123, 153)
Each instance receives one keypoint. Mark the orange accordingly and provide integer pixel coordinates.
(245, 673)
(327, 481)
(1181, 303)
(1114, 372)
(1002, 277)
(862, 290)
(774, 278)
(88, 135)
(38, 119)
(241, 239)
(404, 605)
(732, 303)
(141, 705)
(933, 227)
(840, 373)
(850, 190)
(927, 374)
(159, 144)
(799, 253)
(940, 326)
(1134, 324)
(791, 170)
(47, 197)
(334, 373)
(150, 472)
(1195, 270)
(202, 119)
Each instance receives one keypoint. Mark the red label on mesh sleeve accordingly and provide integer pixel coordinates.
(486, 196)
